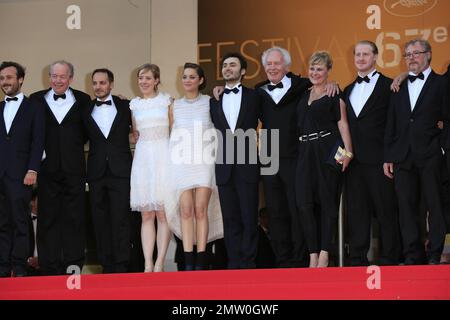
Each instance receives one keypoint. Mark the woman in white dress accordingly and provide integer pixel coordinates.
(150, 116)
(195, 217)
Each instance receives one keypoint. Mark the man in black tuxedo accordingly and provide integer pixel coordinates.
(368, 190)
(447, 144)
(413, 155)
(280, 95)
(108, 122)
(21, 145)
(235, 116)
(61, 224)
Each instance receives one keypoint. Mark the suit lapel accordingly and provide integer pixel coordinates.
(118, 115)
(290, 91)
(92, 120)
(94, 123)
(242, 108)
(406, 98)
(19, 113)
(372, 98)
(349, 103)
(221, 114)
(72, 110)
(2, 119)
(47, 107)
(425, 88)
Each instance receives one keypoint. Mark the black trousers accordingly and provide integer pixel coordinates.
(317, 194)
(368, 191)
(110, 208)
(285, 226)
(239, 204)
(61, 228)
(413, 178)
(15, 222)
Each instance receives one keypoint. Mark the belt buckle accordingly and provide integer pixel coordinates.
(313, 136)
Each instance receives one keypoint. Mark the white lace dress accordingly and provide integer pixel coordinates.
(192, 161)
(149, 169)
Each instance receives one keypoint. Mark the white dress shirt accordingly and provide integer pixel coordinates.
(278, 93)
(362, 91)
(416, 87)
(104, 116)
(60, 107)
(11, 108)
(231, 104)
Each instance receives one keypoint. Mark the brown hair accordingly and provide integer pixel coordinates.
(154, 70)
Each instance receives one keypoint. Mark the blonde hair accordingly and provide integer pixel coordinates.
(321, 57)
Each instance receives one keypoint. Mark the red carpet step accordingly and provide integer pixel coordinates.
(402, 282)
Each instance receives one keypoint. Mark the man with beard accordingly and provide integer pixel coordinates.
(108, 123)
(413, 154)
(235, 116)
(21, 145)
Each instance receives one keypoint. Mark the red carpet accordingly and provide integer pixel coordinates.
(404, 282)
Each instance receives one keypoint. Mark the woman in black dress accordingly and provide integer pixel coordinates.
(322, 123)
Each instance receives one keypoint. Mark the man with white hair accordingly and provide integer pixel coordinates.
(280, 94)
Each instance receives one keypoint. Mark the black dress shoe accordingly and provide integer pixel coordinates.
(19, 273)
(5, 274)
(434, 261)
(410, 262)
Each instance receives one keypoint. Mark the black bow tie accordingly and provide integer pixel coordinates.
(98, 103)
(234, 90)
(57, 96)
(8, 99)
(33, 217)
(272, 87)
(360, 79)
(413, 78)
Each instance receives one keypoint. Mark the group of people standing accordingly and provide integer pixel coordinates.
(195, 167)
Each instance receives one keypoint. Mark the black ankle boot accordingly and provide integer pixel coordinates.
(189, 261)
(202, 261)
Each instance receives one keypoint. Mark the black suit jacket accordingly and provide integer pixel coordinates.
(248, 119)
(112, 152)
(21, 148)
(447, 125)
(367, 130)
(283, 116)
(64, 143)
(417, 131)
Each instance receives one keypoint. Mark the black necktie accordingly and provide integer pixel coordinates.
(57, 96)
(234, 90)
(360, 79)
(98, 103)
(413, 78)
(33, 217)
(8, 99)
(272, 87)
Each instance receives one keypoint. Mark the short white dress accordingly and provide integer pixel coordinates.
(149, 169)
(192, 150)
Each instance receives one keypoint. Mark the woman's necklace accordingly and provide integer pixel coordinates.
(197, 98)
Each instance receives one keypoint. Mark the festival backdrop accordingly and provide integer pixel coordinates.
(302, 27)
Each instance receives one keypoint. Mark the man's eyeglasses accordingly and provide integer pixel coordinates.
(414, 54)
